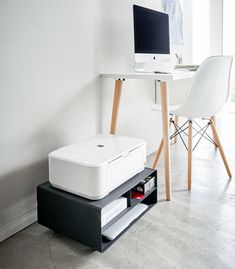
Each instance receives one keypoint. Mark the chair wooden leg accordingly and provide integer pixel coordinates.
(214, 137)
(159, 151)
(217, 141)
(177, 123)
(190, 136)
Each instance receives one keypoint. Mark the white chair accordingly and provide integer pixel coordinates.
(206, 96)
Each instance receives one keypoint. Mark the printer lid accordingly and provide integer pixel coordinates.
(97, 150)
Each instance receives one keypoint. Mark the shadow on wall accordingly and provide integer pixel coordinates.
(78, 119)
(17, 190)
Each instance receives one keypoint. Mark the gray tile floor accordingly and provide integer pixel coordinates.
(194, 230)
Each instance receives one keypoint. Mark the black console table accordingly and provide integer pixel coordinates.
(80, 218)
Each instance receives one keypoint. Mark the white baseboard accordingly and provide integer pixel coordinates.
(17, 225)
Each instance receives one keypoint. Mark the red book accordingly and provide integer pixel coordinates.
(137, 195)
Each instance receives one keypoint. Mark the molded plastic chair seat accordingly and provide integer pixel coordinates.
(209, 89)
(207, 94)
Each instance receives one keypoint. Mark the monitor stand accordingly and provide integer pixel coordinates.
(149, 68)
(154, 68)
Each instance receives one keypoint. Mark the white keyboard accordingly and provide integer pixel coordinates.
(113, 231)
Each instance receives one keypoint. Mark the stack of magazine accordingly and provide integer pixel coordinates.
(192, 67)
(111, 210)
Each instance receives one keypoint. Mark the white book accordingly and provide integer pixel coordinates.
(111, 210)
(113, 231)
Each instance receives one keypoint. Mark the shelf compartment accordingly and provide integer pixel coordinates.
(107, 243)
(134, 201)
(114, 230)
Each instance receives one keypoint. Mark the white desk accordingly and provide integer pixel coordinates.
(162, 79)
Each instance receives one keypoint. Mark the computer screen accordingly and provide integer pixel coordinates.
(151, 31)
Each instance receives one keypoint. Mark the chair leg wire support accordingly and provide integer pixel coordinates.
(191, 126)
(202, 131)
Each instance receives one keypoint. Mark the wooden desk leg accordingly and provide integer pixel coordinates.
(116, 101)
(158, 153)
(166, 138)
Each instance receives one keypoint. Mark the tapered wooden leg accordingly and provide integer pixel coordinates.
(116, 102)
(217, 141)
(213, 119)
(159, 151)
(158, 154)
(166, 138)
(177, 123)
(190, 137)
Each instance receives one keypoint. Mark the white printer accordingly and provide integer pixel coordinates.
(95, 166)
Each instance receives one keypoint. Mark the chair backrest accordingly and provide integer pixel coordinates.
(209, 89)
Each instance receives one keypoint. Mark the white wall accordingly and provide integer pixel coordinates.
(207, 29)
(135, 117)
(228, 27)
(51, 54)
(216, 22)
(49, 90)
(229, 37)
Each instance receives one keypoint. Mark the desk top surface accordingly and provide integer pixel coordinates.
(155, 76)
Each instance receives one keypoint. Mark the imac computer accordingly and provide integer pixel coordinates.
(151, 40)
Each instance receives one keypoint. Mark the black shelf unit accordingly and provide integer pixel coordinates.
(80, 218)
